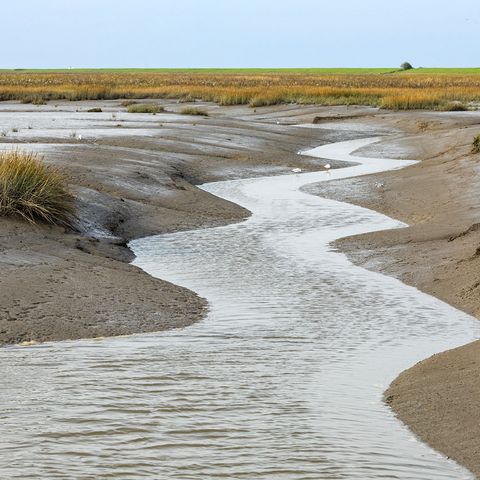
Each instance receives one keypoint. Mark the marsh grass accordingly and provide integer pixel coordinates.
(145, 108)
(417, 88)
(186, 99)
(268, 99)
(34, 100)
(193, 111)
(453, 107)
(33, 190)
(476, 144)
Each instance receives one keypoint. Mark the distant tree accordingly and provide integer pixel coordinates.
(406, 66)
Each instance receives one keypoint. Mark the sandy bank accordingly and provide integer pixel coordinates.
(133, 175)
(438, 253)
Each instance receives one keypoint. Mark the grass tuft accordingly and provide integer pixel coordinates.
(453, 107)
(33, 190)
(194, 111)
(145, 108)
(476, 144)
(34, 100)
(266, 100)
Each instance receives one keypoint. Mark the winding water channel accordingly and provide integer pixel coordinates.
(282, 380)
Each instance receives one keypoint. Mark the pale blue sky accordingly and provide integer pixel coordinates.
(239, 33)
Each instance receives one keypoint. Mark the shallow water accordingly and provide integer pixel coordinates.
(283, 380)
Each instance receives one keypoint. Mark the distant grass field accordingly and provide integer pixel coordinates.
(422, 88)
(246, 71)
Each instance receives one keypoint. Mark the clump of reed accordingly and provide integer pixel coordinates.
(425, 100)
(34, 100)
(476, 144)
(33, 190)
(453, 107)
(145, 108)
(186, 99)
(267, 99)
(194, 111)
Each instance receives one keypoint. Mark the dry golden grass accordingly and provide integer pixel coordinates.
(145, 108)
(194, 111)
(476, 144)
(392, 91)
(33, 190)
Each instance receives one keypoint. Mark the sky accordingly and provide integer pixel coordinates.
(239, 33)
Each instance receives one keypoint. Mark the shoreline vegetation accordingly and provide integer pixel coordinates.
(424, 89)
(33, 190)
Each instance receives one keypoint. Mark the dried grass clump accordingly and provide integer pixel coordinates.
(194, 111)
(33, 190)
(145, 108)
(476, 144)
(411, 100)
(453, 107)
(267, 99)
(34, 100)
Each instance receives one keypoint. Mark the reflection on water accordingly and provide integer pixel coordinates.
(283, 380)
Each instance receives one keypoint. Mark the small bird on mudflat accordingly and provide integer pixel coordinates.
(296, 170)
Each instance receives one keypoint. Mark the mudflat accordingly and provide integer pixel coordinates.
(132, 175)
(136, 174)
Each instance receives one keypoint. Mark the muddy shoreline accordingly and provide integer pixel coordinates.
(136, 175)
(133, 175)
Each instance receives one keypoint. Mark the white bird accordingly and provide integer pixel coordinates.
(278, 123)
(327, 166)
(79, 137)
(296, 170)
